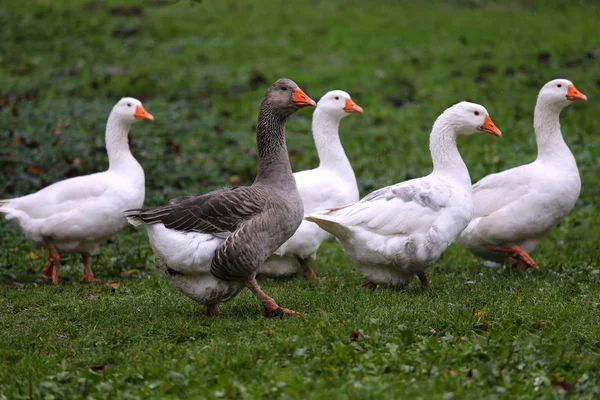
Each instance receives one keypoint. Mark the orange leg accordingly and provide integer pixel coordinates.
(212, 310)
(524, 259)
(88, 275)
(369, 286)
(270, 306)
(309, 273)
(423, 279)
(52, 262)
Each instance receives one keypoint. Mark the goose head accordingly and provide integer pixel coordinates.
(338, 103)
(128, 110)
(560, 92)
(468, 118)
(286, 97)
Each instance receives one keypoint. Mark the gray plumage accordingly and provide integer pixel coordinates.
(255, 220)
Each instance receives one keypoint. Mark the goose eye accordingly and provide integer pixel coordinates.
(337, 97)
(477, 113)
(559, 85)
(128, 104)
(284, 89)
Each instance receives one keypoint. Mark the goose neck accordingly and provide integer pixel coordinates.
(444, 152)
(273, 160)
(117, 143)
(546, 123)
(325, 128)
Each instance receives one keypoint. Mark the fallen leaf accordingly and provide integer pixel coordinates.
(565, 385)
(338, 290)
(354, 335)
(17, 140)
(34, 169)
(538, 324)
(33, 255)
(480, 313)
(235, 179)
(61, 336)
(101, 367)
(130, 272)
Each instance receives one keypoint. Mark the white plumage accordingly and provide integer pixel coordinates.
(185, 258)
(516, 208)
(394, 233)
(331, 184)
(78, 214)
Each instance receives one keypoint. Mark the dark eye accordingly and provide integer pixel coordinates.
(337, 97)
(477, 113)
(559, 85)
(128, 104)
(284, 89)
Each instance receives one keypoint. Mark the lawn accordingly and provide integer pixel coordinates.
(201, 68)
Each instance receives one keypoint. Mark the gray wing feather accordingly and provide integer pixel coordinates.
(219, 211)
(421, 193)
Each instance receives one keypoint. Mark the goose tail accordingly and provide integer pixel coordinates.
(147, 216)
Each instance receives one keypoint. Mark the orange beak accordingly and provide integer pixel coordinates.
(350, 107)
(300, 99)
(141, 113)
(574, 94)
(489, 127)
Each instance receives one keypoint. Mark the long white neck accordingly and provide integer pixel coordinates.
(332, 156)
(117, 144)
(546, 123)
(444, 153)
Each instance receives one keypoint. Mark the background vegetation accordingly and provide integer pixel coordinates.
(202, 68)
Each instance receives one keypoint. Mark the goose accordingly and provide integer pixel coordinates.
(516, 208)
(331, 184)
(76, 215)
(211, 246)
(395, 232)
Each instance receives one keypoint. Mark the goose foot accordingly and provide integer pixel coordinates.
(423, 279)
(524, 259)
(52, 263)
(271, 308)
(278, 311)
(309, 273)
(369, 286)
(88, 275)
(212, 310)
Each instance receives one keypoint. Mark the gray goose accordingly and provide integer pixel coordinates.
(211, 246)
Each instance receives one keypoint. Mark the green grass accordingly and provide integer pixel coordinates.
(202, 68)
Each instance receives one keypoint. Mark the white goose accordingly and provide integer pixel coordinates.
(332, 184)
(394, 233)
(516, 208)
(77, 214)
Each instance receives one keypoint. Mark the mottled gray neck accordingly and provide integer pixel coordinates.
(444, 153)
(273, 160)
(117, 143)
(325, 128)
(546, 123)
